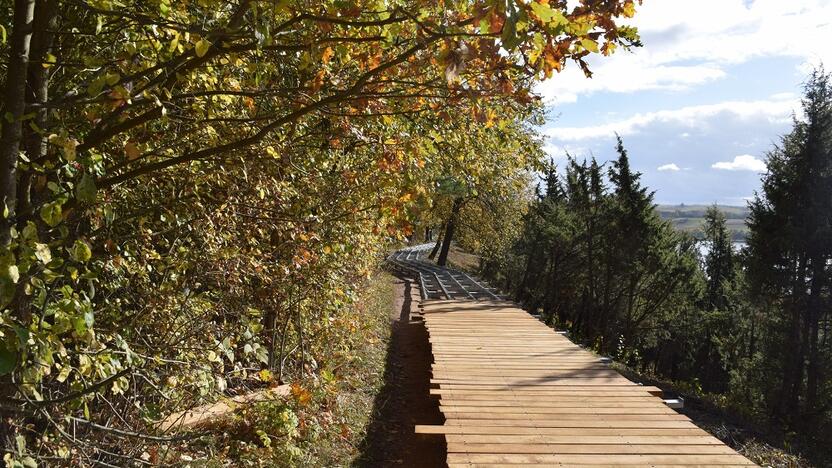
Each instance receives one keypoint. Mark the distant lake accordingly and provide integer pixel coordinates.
(704, 247)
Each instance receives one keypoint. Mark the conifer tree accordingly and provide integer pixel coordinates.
(719, 261)
(790, 257)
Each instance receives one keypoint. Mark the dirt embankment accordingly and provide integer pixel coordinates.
(405, 399)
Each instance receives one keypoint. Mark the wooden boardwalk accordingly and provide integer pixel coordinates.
(513, 391)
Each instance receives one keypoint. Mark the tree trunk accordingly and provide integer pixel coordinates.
(449, 233)
(14, 105)
(35, 141)
(438, 243)
(813, 319)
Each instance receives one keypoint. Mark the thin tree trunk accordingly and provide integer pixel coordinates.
(14, 105)
(449, 233)
(43, 33)
(14, 96)
(813, 319)
(438, 243)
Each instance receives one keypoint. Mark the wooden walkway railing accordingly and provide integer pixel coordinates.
(513, 391)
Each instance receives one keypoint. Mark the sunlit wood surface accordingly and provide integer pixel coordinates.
(515, 392)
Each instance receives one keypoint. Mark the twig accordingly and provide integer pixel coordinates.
(137, 435)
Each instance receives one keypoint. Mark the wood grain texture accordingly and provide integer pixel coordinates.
(515, 392)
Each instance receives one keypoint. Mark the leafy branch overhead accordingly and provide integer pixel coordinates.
(194, 191)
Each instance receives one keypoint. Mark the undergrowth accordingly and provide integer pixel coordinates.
(326, 415)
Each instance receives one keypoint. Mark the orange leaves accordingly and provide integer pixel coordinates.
(390, 161)
(326, 56)
(131, 150)
(300, 394)
(318, 81)
(552, 61)
(369, 60)
(496, 20)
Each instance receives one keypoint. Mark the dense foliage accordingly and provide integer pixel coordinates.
(790, 266)
(751, 326)
(193, 190)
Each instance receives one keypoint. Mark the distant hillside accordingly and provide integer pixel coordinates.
(691, 218)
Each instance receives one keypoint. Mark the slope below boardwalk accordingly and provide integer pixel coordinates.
(513, 391)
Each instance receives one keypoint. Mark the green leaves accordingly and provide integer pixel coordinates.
(85, 191)
(544, 12)
(8, 359)
(81, 251)
(510, 39)
(10, 344)
(52, 214)
(9, 276)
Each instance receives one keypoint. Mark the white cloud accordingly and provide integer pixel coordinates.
(668, 167)
(690, 43)
(688, 117)
(743, 162)
(561, 151)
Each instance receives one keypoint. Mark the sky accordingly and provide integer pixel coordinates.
(715, 85)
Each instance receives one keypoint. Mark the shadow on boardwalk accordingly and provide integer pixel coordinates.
(404, 401)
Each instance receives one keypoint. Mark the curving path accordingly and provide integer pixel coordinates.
(436, 282)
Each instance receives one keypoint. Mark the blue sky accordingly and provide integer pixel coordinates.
(715, 85)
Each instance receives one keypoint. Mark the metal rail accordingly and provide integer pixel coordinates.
(450, 283)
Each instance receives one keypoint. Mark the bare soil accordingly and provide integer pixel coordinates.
(405, 399)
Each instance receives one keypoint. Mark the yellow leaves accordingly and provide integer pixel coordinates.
(66, 144)
(265, 375)
(490, 118)
(49, 60)
(272, 152)
(43, 253)
(629, 9)
(81, 251)
(543, 11)
(174, 43)
(589, 45)
(201, 47)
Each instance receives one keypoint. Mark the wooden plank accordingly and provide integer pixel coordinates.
(573, 423)
(593, 390)
(594, 459)
(564, 416)
(579, 431)
(512, 403)
(582, 439)
(568, 465)
(590, 449)
(557, 410)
